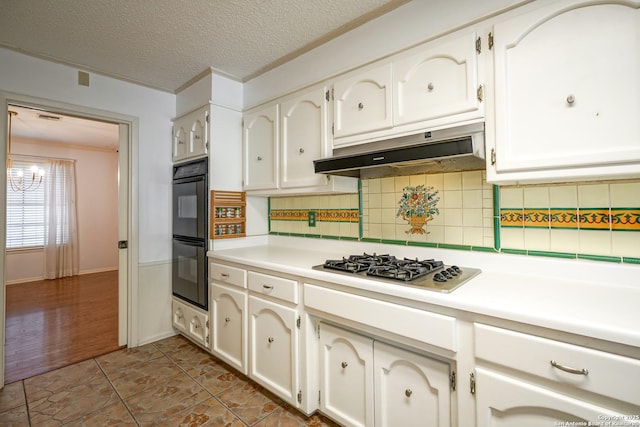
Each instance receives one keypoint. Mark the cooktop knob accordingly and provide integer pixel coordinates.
(439, 277)
(446, 274)
(452, 271)
(456, 268)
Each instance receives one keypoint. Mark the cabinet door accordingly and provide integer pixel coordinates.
(438, 82)
(346, 376)
(191, 134)
(229, 326)
(411, 390)
(198, 327)
(260, 165)
(274, 348)
(180, 140)
(567, 92)
(198, 132)
(504, 401)
(179, 316)
(304, 138)
(363, 102)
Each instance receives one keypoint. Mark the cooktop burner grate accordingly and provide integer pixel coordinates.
(428, 273)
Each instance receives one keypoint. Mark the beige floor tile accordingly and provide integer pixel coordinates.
(68, 394)
(249, 402)
(16, 417)
(286, 417)
(126, 357)
(12, 396)
(143, 375)
(159, 403)
(209, 413)
(112, 415)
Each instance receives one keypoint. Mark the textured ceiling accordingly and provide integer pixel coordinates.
(165, 43)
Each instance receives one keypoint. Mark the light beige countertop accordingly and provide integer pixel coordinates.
(599, 300)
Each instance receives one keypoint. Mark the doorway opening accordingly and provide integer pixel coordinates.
(52, 323)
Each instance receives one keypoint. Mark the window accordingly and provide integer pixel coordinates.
(26, 209)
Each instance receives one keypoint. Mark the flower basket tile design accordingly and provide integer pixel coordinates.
(417, 206)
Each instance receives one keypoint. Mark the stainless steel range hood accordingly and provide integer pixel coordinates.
(453, 149)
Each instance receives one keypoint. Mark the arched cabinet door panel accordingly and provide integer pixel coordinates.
(362, 102)
(260, 139)
(439, 81)
(567, 93)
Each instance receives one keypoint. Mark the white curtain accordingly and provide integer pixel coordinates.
(61, 257)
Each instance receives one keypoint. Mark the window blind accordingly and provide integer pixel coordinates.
(26, 209)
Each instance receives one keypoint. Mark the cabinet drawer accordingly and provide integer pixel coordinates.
(605, 373)
(229, 275)
(277, 287)
(424, 326)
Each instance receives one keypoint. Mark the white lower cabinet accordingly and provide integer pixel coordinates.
(229, 340)
(365, 382)
(191, 321)
(274, 348)
(346, 376)
(410, 389)
(504, 401)
(526, 380)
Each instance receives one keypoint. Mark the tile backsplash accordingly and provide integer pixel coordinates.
(459, 209)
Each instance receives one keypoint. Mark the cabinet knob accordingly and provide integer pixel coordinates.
(360, 106)
(180, 142)
(270, 339)
(301, 150)
(430, 87)
(196, 136)
(571, 99)
(344, 365)
(408, 392)
(227, 320)
(259, 158)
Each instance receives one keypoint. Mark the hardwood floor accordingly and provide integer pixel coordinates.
(54, 323)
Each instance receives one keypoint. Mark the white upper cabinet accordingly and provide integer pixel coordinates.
(191, 134)
(430, 86)
(362, 102)
(439, 81)
(260, 138)
(567, 93)
(282, 140)
(304, 138)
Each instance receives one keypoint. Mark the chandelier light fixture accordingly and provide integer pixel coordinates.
(16, 177)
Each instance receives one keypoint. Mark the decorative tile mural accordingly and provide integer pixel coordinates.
(578, 220)
(417, 206)
(458, 206)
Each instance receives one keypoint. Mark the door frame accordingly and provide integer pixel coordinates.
(129, 128)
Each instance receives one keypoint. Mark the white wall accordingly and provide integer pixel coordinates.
(154, 109)
(408, 25)
(97, 197)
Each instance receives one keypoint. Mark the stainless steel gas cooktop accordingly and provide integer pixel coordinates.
(426, 274)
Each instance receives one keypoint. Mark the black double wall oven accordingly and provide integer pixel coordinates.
(190, 232)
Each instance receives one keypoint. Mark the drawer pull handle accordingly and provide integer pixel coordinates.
(224, 275)
(408, 392)
(267, 287)
(569, 369)
(270, 340)
(344, 365)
